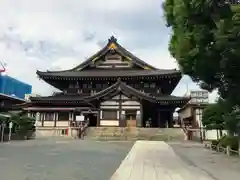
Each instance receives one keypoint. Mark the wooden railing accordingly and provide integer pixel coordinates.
(218, 148)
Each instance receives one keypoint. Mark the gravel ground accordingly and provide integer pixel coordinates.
(217, 165)
(61, 159)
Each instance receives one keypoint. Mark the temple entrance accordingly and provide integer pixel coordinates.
(156, 116)
(131, 118)
(92, 119)
(150, 118)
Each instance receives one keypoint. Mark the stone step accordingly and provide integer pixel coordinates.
(118, 133)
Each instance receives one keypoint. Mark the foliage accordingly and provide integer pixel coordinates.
(231, 141)
(214, 143)
(225, 141)
(3, 119)
(21, 123)
(232, 121)
(206, 43)
(213, 116)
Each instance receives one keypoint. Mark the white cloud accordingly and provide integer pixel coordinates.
(58, 34)
(157, 56)
(62, 65)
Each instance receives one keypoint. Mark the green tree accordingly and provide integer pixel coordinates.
(213, 117)
(205, 42)
(22, 124)
(232, 121)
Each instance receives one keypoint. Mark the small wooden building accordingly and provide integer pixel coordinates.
(111, 88)
(191, 115)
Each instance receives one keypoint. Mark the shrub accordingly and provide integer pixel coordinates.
(214, 143)
(223, 141)
(231, 141)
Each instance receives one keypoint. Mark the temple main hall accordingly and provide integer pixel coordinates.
(111, 88)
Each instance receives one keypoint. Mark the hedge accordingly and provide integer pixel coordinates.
(225, 141)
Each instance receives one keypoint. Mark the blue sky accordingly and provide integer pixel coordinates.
(59, 34)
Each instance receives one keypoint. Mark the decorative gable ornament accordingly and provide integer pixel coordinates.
(112, 46)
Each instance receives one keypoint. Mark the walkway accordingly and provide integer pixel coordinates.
(217, 165)
(157, 161)
(61, 159)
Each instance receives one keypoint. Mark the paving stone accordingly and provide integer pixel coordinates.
(156, 160)
(61, 159)
(217, 165)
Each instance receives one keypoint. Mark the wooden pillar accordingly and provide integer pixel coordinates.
(42, 118)
(141, 114)
(170, 119)
(122, 119)
(158, 118)
(98, 118)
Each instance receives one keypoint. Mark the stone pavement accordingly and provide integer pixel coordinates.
(155, 160)
(61, 159)
(217, 165)
(65, 159)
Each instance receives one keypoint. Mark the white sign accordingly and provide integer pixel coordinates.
(10, 125)
(80, 118)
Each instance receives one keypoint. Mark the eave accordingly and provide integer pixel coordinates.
(118, 87)
(110, 74)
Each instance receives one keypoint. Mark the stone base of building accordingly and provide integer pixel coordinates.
(115, 133)
(135, 133)
(51, 131)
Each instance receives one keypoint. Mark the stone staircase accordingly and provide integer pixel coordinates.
(134, 133)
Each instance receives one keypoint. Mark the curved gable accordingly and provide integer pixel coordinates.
(105, 58)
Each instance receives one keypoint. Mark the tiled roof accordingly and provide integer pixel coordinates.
(110, 73)
(119, 86)
(81, 71)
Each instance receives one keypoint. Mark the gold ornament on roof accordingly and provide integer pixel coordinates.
(112, 46)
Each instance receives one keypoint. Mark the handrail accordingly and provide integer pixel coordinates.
(218, 148)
